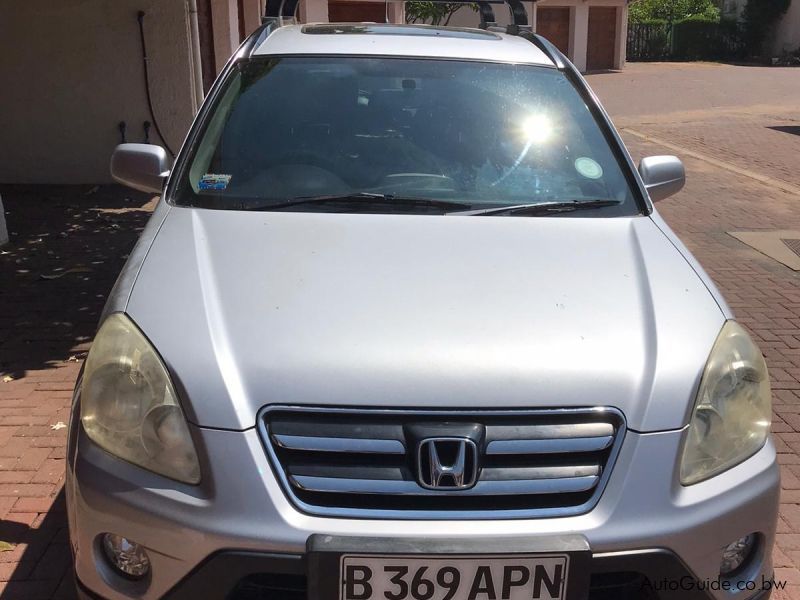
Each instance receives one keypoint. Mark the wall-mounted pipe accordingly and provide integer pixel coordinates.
(140, 17)
(194, 49)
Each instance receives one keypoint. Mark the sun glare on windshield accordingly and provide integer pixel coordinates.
(537, 128)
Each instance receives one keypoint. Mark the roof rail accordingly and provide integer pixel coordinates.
(255, 39)
(547, 47)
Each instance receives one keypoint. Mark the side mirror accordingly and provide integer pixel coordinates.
(663, 176)
(143, 167)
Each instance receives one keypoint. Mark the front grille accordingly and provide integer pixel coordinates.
(365, 463)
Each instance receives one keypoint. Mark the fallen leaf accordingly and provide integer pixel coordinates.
(6, 547)
(7, 378)
(57, 426)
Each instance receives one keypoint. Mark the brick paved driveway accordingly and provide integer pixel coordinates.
(732, 126)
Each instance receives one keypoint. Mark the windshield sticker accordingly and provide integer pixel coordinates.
(213, 181)
(588, 168)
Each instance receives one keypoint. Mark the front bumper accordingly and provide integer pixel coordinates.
(645, 523)
(237, 575)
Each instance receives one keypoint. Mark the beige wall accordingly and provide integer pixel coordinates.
(225, 26)
(72, 70)
(313, 11)
(787, 35)
(225, 23)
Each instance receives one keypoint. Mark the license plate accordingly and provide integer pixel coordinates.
(453, 577)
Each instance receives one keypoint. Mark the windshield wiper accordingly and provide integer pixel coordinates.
(367, 199)
(540, 208)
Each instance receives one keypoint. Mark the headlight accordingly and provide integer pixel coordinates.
(733, 411)
(128, 404)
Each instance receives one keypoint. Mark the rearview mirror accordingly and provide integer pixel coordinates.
(663, 176)
(143, 167)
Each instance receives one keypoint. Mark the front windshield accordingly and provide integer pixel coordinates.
(478, 134)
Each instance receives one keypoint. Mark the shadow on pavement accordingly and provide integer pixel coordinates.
(43, 566)
(67, 245)
(790, 129)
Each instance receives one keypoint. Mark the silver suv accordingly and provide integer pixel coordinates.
(405, 325)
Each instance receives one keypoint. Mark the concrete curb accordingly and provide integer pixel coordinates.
(3, 229)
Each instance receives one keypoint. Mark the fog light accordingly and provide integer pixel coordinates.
(736, 553)
(126, 556)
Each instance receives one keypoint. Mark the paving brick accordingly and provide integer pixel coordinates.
(33, 459)
(788, 541)
(789, 481)
(15, 523)
(51, 471)
(6, 503)
(53, 563)
(16, 571)
(28, 589)
(35, 490)
(66, 589)
(780, 559)
(14, 476)
(791, 514)
(34, 504)
(14, 448)
(788, 574)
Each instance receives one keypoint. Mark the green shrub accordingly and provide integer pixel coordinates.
(670, 10)
(695, 37)
(701, 38)
(704, 18)
(653, 22)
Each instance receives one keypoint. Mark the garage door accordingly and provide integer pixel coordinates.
(553, 24)
(602, 37)
(355, 12)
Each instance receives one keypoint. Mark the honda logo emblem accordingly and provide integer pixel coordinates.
(447, 463)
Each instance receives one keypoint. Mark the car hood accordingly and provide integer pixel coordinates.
(255, 308)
